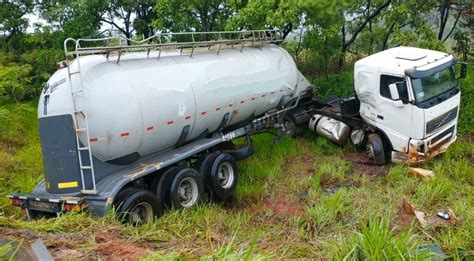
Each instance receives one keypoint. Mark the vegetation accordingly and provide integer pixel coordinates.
(302, 198)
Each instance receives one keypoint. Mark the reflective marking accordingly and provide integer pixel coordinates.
(72, 202)
(272, 92)
(242, 101)
(54, 200)
(263, 95)
(230, 105)
(22, 197)
(170, 122)
(150, 128)
(124, 134)
(218, 108)
(253, 99)
(93, 139)
(187, 117)
(203, 113)
(64, 185)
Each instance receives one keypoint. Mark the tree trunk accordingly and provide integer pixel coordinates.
(444, 15)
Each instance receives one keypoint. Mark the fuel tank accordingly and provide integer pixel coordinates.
(138, 105)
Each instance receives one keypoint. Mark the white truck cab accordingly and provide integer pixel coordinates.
(410, 97)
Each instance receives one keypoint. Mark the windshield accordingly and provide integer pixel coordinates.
(433, 85)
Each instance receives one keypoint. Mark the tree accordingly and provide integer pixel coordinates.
(13, 22)
(75, 19)
(136, 17)
(446, 8)
(192, 15)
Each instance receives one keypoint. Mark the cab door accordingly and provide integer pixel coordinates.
(395, 118)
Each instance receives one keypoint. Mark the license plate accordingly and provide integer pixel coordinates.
(42, 205)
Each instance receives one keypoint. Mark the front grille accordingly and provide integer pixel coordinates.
(441, 121)
(444, 133)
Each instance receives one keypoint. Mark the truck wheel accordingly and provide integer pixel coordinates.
(294, 130)
(137, 206)
(375, 149)
(223, 176)
(185, 189)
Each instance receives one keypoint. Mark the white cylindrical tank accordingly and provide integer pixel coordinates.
(141, 104)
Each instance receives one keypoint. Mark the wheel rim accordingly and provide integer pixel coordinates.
(225, 175)
(370, 151)
(141, 213)
(188, 192)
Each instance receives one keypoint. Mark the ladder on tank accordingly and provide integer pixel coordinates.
(86, 164)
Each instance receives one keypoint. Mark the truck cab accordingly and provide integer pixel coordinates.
(410, 98)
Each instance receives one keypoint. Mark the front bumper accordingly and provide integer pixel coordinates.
(420, 151)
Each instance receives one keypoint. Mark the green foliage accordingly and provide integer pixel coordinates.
(191, 15)
(377, 242)
(14, 81)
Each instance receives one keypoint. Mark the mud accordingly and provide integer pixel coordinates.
(363, 165)
(111, 247)
(282, 206)
(404, 217)
(109, 244)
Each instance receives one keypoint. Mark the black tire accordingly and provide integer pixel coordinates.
(375, 149)
(161, 184)
(223, 176)
(185, 189)
(294, 130)
(204, 168)
(137, 206)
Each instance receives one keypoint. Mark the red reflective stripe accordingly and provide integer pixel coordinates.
(124, 134)
(242, 101)
(170, 122)
(187, 117)
(203, 113)
(253, 99)
(149, 128)
(93, 139)
(218, 108)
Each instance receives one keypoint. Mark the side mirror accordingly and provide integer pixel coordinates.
(394, 91)
(463, 72)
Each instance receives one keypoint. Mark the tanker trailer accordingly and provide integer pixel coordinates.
(149, 126)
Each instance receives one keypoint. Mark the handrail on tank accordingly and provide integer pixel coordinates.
(251, 36)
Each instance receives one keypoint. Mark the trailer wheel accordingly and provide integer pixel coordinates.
(223, 176)
(185, 189)
(137, 206)
(294, 130)
(375, 149)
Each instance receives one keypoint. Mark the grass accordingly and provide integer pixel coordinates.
(300, 198)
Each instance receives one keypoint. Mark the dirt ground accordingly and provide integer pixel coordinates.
(108, 244)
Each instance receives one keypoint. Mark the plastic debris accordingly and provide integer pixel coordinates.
(407, 213)
(422, 173)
